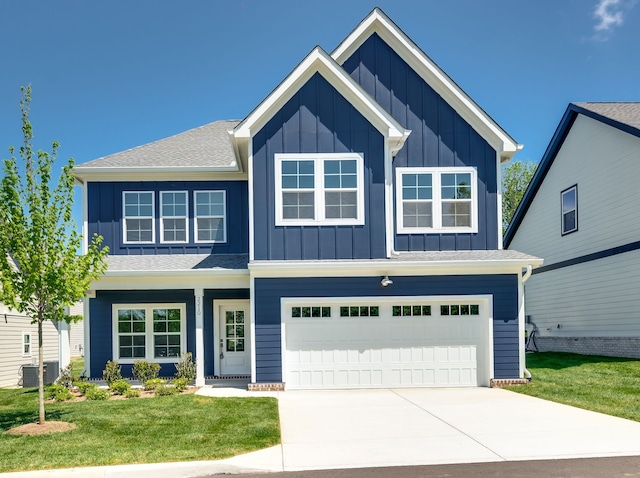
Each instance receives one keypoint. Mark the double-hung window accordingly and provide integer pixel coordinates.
(153, 332)
(26, 344)
(569, 199)
(436, 200)
(173, 216)
(210, 216)
(319, 189)
(138, 217)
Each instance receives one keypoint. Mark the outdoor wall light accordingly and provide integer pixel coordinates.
(386, 281)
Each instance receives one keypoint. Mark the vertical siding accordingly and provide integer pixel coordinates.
(503, 288)
(105, 216)
(317, 119)
(12, 325)
(439, 138)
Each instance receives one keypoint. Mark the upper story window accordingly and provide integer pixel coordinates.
(319, 189)
(173, 216)
(569, 199)
(138, 217)
(436, 200)
(210, 216)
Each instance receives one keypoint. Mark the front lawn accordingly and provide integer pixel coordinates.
(143, 430)
(603, 384)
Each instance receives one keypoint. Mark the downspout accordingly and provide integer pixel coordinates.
(525, 277)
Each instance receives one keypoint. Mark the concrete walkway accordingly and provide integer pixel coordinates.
(371, 428)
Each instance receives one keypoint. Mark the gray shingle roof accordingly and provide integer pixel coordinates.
(206, 146)
(438, 256)
(626, 113)
(177, 262)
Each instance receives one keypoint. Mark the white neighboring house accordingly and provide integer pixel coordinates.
(76, 331)
(19, 344)
(580, 213)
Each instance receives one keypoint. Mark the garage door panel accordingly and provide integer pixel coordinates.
(354, 352)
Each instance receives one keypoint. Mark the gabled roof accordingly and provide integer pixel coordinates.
(172, 263)
(378, 22)
(206, 148)
(319, 61)
(623, 116)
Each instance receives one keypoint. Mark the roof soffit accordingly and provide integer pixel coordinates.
(378, 22)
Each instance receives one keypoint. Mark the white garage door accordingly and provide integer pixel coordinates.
(377, 343)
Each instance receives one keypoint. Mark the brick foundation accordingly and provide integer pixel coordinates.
(266, 387)
(505, 382)
(607, 346)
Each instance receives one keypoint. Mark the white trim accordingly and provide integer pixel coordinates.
(185, 217)
(22, 344)
(85, 218)
(86, 318)
(164, 174)
(152, 217)
(319, 188)
(251, 212)
(388, 201)
(521, 326)
(199, 355)
(149, 332)
(187, 279)
(252, 332)
(217, 304)
(499, 200)
(432, 74)
(318, 61)
(436, 201)
(484, 374)
(196, 216)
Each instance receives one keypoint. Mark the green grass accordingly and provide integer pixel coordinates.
(77, 367)
(603, 384)
(143, 430)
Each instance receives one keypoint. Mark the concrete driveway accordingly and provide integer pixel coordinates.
(364, 428)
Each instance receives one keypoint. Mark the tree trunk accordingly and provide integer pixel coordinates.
(40, 372)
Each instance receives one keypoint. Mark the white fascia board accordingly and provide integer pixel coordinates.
(187, 279)
(378, 22)
(318, 61)
(158, 174)
(382, 268)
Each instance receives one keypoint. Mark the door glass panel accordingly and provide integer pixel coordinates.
(234, 331)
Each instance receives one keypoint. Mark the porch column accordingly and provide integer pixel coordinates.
(199, 295)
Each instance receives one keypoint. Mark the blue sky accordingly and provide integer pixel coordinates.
(111, 75)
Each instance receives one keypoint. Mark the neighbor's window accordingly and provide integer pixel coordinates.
(138, 217)
(317, 189)
(26, 344)
(173, 216)
(569, 209)
(440, 200)
(210, 216)
(154, 332)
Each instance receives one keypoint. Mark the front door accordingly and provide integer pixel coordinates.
(233, 337)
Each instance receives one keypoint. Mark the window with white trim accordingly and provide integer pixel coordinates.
(138, 214)
(569, 198)
(210, 216)
(173, 217)
(436, 200)
(319, 189)
(26, 344)
(153, 332)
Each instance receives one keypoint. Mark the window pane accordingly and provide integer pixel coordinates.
(569, 221)
(569, 200)
(297, 205)
(417, 214)
(341, 204)
(210, 229)
(456, 214)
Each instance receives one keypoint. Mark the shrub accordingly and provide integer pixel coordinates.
(112, 372)
(181, 384)
(186, 367)
(145, 371)
(132, 393)
(66, 377)
(153, 383)
(58, 392)
(163, 390)
(120, 387)
(96, 393)
(84, 387)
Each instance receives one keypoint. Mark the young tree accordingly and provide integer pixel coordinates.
(515, 180)
(40, 269)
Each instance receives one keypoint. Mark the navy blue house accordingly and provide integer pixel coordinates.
(345, 234)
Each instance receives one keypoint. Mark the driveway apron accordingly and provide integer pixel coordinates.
(363, 428)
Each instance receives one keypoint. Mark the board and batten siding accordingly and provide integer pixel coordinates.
(317, 119)
(605, 164)
(268, 316)
(593, 299)
(439, 138)
(12, 326)
(105, 216)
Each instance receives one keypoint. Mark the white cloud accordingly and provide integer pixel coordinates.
(609, 14)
